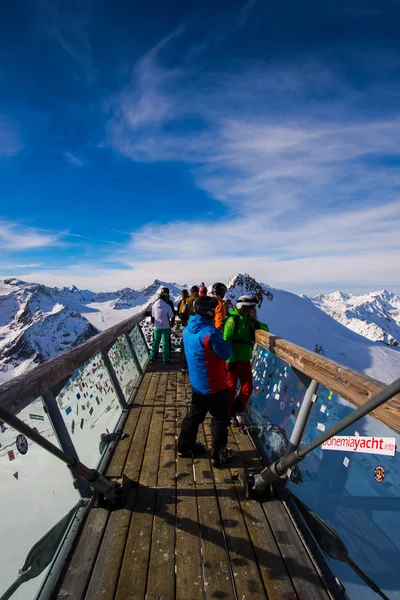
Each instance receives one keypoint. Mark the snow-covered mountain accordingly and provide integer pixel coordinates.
(298, 320)
(375, 315)
(38, 322)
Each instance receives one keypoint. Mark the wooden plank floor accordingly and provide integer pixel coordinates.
(187, 532)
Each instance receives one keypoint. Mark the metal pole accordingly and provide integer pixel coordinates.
(304, 414)
(64, 438)
(97, 481)
(114, 379)
(132, 349)
(276, 470)
(143, 338)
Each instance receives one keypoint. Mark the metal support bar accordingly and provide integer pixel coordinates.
(114, 379)
(277, 469)
(304, 414)
(305, 379)
(97, 481)
(132, 349)
(256, 351)
(64, 439)
(143, 338)
(56, 389)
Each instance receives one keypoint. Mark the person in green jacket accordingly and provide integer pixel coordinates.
(239, 330)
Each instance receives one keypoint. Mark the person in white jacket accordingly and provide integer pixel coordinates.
(162, 318)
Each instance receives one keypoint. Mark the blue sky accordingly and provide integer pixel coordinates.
(191, 141)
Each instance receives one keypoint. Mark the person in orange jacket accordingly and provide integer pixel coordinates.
(218, 291)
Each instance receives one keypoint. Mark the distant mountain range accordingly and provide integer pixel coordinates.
(375, 315)
(38, 322)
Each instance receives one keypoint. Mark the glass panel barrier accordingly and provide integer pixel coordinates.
(141, 349)
(274, 405)
(355, 491)
(125, 366)
(37, 491)
(89, 406)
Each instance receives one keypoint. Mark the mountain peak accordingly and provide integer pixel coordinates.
(244, 284)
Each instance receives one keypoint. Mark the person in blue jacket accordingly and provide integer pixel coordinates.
(206, 353)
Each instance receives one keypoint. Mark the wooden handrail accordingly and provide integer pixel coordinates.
(347, 383)
(18, 393)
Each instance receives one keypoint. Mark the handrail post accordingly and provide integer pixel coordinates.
(304, 414)
(109, 489)
(143, 338)
(114, 379)
(64, 439)
(133, 351)
(280, 467)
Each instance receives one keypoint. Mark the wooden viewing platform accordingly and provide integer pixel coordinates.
(187, 530)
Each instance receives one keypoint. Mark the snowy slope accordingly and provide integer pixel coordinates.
(375, 315)
(34, 323)
(298, 320)
(38, 322)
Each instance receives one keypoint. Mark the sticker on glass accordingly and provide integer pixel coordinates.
(22, 444)
(379, 474)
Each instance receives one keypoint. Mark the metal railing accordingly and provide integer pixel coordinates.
(348, 501)
(72, 408)
(101, 377)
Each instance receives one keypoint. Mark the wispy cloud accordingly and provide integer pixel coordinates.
(14, 237)
(74, 160)
(346, 232)
(352, 272)
(13, 266)
(301, 172)
(69, 34)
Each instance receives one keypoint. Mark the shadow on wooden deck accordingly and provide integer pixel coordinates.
(187, 531)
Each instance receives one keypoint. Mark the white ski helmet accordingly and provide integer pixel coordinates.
(246, 301)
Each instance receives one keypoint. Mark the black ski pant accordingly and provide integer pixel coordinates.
(218, 406)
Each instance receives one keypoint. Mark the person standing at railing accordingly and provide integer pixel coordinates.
(218, 291)
(203, 291)
(194, 294)
(206, 353)
(239, 329)
(183, 316)
(183, 308)
(162, 318)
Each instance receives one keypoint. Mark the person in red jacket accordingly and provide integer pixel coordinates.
(206, 352)
(203, 291)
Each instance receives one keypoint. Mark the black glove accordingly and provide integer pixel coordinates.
(231, 366)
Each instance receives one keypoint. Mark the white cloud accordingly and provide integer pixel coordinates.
(73, 159)
(309, 275)
(14, 237)
(257, 233)
(302, 177)
(308, 205)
